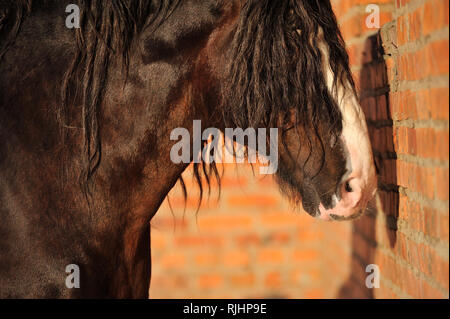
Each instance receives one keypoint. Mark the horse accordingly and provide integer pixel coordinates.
(86, 115)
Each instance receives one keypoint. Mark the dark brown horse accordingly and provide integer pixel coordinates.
(86, 116)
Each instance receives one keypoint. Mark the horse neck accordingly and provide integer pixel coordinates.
(107, 233)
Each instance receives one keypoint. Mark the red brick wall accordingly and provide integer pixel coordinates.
(248, 245)
(251, 244)
(402, 72)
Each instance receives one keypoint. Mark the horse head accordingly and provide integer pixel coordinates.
(283, 64)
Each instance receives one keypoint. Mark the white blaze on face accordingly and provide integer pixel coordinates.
(359, 184)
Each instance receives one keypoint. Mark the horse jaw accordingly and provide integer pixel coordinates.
(358, 185)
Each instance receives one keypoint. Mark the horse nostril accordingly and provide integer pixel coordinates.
(348, 188)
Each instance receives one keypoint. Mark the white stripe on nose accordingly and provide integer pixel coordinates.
(359, 184)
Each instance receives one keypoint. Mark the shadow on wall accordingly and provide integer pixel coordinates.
(374, 98)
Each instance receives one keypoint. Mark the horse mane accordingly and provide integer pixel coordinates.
(276, 66)
(107, 29)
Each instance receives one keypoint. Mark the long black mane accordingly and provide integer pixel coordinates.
(107, 28)
(276, 66)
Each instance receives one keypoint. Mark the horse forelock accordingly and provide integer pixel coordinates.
(275, 71)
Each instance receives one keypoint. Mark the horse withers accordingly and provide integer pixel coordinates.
(86, 115)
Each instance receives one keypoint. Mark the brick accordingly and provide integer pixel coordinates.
(225, 222)
(300, 255)
(206, 259)
(259, 201)
(239, 258)
(270, 256)
(173, 260)
(435, 16)
(273, 280)
(246, 279)
(210, 281)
